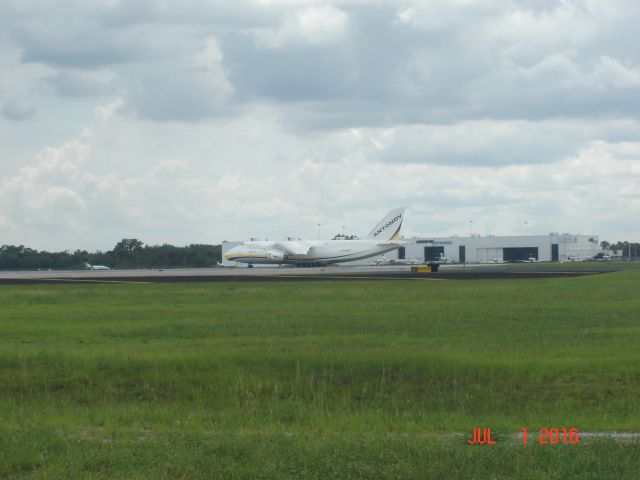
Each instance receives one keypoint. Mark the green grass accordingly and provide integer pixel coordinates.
(318, 379)
(614, 265)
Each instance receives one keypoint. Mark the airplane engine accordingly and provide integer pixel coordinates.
(275, 255)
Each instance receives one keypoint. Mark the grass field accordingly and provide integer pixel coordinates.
(382, 379)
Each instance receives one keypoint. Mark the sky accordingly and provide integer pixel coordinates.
(193, 121)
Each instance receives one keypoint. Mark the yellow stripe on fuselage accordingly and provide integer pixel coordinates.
(228, 256)
(245, 257)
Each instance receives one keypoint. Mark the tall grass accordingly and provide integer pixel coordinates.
(316, 367)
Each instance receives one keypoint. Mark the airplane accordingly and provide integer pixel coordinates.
(531, 259)
(88, 266)
(443, 259)
(397, 261)
(313, 253)
(575, 258)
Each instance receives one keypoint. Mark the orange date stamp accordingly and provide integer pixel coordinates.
(544, 436)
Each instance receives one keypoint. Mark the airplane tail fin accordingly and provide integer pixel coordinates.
(389, 226)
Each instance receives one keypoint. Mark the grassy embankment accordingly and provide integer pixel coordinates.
(318, 379)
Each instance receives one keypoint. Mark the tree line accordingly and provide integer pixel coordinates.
(627, 249)
(127, 253)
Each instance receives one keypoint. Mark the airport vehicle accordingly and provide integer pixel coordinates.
(430, 267)
(88, 266)
(383, 238)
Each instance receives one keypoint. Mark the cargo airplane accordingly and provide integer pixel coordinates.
(307, 253)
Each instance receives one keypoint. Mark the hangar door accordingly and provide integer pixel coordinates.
(433, 253)
(488, 255)
(519, 253)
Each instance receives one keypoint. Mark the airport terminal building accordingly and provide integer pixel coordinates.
(554, 247)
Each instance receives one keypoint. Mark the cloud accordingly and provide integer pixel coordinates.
(104, 113)
(441, 15)
(351, 64)
(285, 114)
(60, 201)
(483, 143)
(187, 89)
(83, 83)
(610, 72)
(14, 111)
(76, 45)
(314, 26)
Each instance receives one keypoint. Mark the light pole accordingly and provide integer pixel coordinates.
(319, 225)
(470, 227)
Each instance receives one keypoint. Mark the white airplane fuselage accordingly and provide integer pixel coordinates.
(320, 252)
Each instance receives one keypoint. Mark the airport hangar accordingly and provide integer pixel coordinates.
(554, 247)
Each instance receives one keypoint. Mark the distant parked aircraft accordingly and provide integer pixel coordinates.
(444, 259)
(383, 238)
(88, 266)
(397, 261)
(531, 259)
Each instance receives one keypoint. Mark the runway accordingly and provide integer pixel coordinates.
(268, 274)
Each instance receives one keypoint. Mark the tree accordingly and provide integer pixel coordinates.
(127, 245)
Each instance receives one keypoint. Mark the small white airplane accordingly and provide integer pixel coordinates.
(397, 261)
(307, 253)
(88, 266)
(444, 259)
(531, 259)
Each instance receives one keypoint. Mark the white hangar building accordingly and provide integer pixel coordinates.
(554, 247)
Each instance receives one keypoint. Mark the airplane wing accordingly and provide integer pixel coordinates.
(293, 248)
(400, 243)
